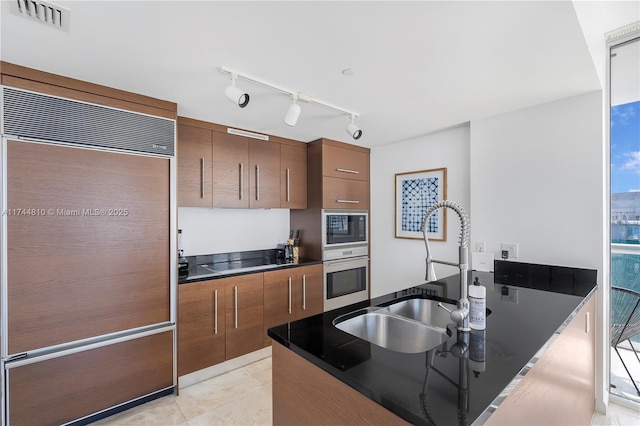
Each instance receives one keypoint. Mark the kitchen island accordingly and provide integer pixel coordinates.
(341, 375)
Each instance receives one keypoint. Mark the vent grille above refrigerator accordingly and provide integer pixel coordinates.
(31, 115)
(43, 12)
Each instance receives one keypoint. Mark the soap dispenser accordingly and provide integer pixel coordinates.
(477, 305)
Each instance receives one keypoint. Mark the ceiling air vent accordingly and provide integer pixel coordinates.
(43, 12)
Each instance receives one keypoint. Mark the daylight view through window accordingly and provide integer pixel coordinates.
(625, 220)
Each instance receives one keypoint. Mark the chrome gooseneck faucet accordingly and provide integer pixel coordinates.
(460, 315)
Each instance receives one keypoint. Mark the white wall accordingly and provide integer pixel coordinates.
(536, 180)
(207, 231)
(400, 263)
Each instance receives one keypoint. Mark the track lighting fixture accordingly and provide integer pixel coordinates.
(353, 130)
(236, 95)
(293, 112)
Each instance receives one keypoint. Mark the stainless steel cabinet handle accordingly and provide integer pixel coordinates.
(202, 178)
(257, 182)
(304, 292)
(289, 295)
(348, 201)
(288, 186)
(241, 180)
(215, 312)
(586, 323)
(235, 302)
(355, 172)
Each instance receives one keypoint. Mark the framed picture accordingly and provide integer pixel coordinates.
(415, 193)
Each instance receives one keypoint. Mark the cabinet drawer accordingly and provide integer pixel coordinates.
(344, 163)
(345, 194)
(60, 390)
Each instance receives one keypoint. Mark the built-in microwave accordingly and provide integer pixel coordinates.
(346, 281)
(344, 227)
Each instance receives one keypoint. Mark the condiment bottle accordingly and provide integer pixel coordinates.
(477, 305)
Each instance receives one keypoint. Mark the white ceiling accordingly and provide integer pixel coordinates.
(420, 66)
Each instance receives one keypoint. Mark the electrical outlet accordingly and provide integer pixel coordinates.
(510, 296)
(481, 246)
(511, 249)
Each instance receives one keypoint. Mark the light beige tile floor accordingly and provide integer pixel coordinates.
(243, 397)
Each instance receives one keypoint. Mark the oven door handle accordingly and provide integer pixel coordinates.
(356, 262)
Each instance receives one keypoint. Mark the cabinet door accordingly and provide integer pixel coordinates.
(201, 325)
(230, 170)
(345, 194)
(569, 359)
(264, 160)
(309, 295)
(244, 314)
(293, 178)
(344, 163)
(279, 299)
(194, 167)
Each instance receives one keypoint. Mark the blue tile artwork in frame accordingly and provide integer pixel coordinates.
(415, 193)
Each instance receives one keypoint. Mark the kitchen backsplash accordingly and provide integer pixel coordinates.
(206, 231)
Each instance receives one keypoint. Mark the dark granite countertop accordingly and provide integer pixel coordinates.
(424, 388)
(222, 265)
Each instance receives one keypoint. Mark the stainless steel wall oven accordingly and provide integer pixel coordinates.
(345, 252)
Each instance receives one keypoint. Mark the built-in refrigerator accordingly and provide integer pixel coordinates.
(88, 273)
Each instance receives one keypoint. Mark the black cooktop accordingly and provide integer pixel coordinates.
(211, 266)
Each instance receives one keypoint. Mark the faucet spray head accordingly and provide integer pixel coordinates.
(431, 273)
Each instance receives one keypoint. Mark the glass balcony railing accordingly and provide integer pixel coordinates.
(625, 272)
(625, 269)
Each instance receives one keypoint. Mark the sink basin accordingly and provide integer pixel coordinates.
(424, 310)
(393, 332)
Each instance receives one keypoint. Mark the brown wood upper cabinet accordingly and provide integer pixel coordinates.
(293, 178)
(195, 161)
(246, 172)
(338, 175)
(230, 170)
(344, 162)
(218, 169)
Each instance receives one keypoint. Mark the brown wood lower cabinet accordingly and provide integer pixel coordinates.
(291, 294)
(201, 325)
(244, 314)
(303, 394)
(219, 320)
(63, 389)
(562, 380)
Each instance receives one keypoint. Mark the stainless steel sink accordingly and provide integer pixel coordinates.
(411, 326)
(394, 332)
(424, 310)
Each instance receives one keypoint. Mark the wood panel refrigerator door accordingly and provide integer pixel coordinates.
(88, 243)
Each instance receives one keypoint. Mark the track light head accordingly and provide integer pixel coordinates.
(293, 113)
(353, 130)
(236, 95)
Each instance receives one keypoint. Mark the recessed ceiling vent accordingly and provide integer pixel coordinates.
(43, 12)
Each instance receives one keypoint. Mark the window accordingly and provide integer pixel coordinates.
(625, 200)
